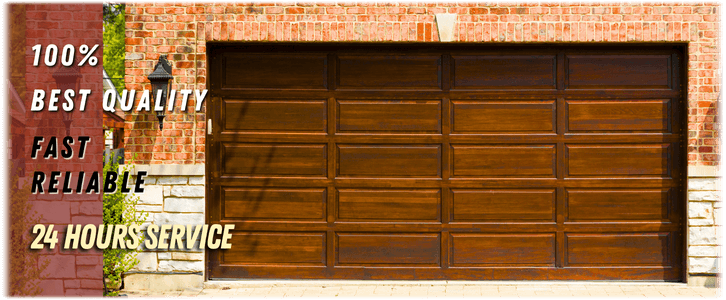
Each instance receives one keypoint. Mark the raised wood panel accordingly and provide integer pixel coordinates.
(389, 71)
(388, 249)
(619, 160)
(619, 249)
(503, 205)
(274, 160)
(278, 71)
(274, 203)
(504, 71)
(619, 71)
(485, 249)
(290, 248)
(275, 115)
(503, 116)
(407, 116)
(389, 160)
(504, 161)
(389, 205)
(618, 205)
(355, 161)
(633, 115)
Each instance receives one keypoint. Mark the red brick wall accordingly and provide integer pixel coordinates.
(65, 272)
(182, 31)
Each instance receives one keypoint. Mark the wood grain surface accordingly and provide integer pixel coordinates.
(456, 161)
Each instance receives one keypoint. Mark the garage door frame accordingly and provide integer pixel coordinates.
(212, 165)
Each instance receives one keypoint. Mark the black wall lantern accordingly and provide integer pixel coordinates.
(161, 79)
(67, 78)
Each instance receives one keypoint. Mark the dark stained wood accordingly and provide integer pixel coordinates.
(618, 205)
(389, 161)
(274, 159)
(389, 205)
(503, 71)
(274, 203)
(497, 227)
(619, 160)
(293, 248)
(480, 249)
(634, 249)
(619, 71)
(503, 116)
(389, 71)
(503, 205)
(278, 71)
(390, 249)
(447, 161)
(275, 116)
(511, 161)
(640, 115)
(411, 116)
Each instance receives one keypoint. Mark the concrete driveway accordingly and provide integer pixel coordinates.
(436, 289)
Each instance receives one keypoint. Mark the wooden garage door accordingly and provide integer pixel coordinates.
(446, 162)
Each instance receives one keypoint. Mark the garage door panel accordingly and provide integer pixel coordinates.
(524, 205)
(389, 71)
(275, 160)
(428, 227)
(275, 116)
(389, 205)
(629, 249)
(633, 115)
(649, 273)
(573, 182)
(504, 71)
(619, 205)
(389, 116)
(393, 249)
(619, 71)
(389, 160)
(503, 116)
(504, 161)
(447, 162)
(487, 249)
(619, 160)
(273, 203)
(283, 248)
(278, 71)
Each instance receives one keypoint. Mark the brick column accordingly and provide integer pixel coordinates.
(65, 272)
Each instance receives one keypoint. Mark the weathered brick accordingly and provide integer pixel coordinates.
(92, 284)
(71, 283)
(59, 266)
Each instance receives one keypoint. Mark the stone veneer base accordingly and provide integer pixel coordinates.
(160, 282)
(175, 194)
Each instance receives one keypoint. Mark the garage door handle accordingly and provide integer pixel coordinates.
(209, 126)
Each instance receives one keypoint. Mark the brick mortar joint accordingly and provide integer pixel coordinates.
(690, 24)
